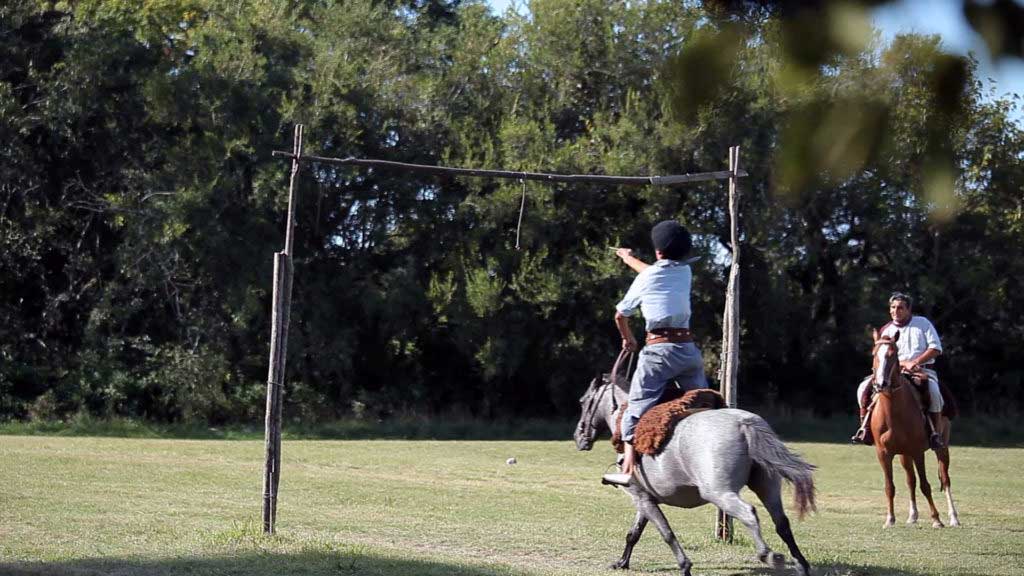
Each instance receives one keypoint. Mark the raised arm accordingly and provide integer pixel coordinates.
(633, 262)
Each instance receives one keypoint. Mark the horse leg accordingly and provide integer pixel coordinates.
(649, 509)
(885, 459)
(926, 489)
(632, 537)
(769, 490)
(733, 505)
(943, 457)
(908, 467)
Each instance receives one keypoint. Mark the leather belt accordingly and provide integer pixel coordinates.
(673, 335)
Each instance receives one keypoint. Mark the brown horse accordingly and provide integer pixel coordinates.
(898, 426)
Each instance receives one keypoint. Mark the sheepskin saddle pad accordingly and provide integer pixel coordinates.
(657, 424)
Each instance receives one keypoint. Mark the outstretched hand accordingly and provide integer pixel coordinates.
(632, 261)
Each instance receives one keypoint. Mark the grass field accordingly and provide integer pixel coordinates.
(127, 506)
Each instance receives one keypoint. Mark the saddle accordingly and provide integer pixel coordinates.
(920, 382)
(657, 424)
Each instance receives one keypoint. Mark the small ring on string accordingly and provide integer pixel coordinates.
(522, 208)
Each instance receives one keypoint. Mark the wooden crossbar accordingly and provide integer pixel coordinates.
(672, 180)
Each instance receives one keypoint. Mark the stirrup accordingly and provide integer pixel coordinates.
(858, 436)
(861, 437)
(617, 479)
(935, 441)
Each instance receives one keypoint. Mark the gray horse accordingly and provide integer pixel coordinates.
(709, 458)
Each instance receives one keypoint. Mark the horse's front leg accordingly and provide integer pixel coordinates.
(631, 539)
(885, 459)
(908, 467)
(649, 509)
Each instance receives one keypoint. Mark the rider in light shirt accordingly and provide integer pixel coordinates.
(661, 291)
(917, 348)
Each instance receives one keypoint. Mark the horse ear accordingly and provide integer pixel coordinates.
(896, 336)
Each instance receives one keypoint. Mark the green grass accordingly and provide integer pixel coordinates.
(88, 505)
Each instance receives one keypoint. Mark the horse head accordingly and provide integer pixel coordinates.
(885, 367)
(593, 412)
(603, 397)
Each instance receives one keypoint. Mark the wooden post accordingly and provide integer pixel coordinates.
(279, 319)
(731, 322)
(275, 381)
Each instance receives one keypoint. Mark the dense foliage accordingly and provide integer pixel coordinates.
(140, 205)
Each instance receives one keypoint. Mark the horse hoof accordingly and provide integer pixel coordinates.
(911, 521)
(889, 523)
(954, 523)
(619, 565)
(938, 524)
(774, 559)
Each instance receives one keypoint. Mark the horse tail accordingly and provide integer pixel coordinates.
(772, 455)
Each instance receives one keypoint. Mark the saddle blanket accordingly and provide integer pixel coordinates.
(657, 424)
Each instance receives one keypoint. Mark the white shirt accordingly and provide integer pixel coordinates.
(662, 292)
(916, 337)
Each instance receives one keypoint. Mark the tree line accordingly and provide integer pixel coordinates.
(140, 205)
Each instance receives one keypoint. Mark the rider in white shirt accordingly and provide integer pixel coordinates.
(917, 348)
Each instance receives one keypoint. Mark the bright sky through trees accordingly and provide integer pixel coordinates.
(942, 17)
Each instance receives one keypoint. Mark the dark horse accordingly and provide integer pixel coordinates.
(898, 427)
(710, 457)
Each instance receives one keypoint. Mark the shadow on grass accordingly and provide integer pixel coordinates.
(257, 563)
(850, 570)
(359, 564)
(839, 569)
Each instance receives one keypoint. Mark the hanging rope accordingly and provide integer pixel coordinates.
(522, 208)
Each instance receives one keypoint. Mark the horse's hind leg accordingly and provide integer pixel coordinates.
(631, 539)
(942, 454)
(734, 506)
(769, 490)
(649, 509)
(908, 467)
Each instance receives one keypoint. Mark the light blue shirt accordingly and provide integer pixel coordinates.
(662, 292)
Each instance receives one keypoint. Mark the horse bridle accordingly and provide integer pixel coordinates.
(894, 382)
(587, 421)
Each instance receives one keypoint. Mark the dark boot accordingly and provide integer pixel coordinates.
(935, 440)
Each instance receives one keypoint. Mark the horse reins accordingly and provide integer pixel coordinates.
(595, 401)
(615, 373)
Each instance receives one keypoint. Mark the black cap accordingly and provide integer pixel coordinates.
(671, 239)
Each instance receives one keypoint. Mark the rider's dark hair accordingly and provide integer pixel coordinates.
(901, 296)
